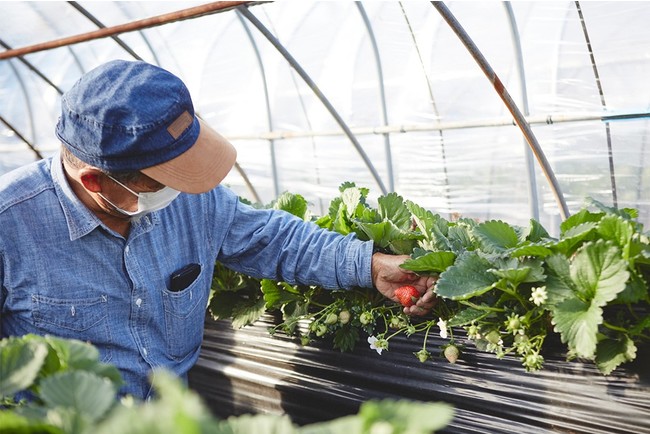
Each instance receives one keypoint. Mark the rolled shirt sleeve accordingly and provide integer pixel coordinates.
(277, 245)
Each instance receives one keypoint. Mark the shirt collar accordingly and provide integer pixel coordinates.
(79, 218)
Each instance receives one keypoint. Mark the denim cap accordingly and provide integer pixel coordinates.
(133, 116)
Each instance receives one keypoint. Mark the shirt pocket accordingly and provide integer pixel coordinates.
(84, 319)
(184, 318)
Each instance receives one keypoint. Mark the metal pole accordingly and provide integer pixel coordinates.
(512, 107)
(158, 20)
(303, 74)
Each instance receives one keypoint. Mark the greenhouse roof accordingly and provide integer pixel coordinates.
(491, 110)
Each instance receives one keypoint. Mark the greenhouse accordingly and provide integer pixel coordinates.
(501, 148)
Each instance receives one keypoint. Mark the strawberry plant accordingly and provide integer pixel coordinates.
(505, 286)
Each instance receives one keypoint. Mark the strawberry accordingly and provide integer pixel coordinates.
(451, 353)
(407, 295)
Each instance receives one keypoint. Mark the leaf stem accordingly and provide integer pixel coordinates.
(482, 307)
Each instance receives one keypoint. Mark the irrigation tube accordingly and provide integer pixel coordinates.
(512, 107)
(303, 74)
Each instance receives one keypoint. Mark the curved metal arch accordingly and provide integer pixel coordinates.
(269, 117)
(382, 94)
(312, 85)
(608, 133)
(507, 99)
(530, 166)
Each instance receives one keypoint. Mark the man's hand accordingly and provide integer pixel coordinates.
(387, 276)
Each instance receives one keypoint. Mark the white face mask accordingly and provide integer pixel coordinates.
(147, 201)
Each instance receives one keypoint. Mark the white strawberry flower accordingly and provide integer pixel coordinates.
(443, 328)
(539, 295)
(377, 344)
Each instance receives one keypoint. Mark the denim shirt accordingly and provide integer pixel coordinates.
(64, 273)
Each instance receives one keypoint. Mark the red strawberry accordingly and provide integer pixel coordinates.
(407, 295)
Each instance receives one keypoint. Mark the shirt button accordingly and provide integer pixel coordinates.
(126, 249)
(144, 350)
(138, 302)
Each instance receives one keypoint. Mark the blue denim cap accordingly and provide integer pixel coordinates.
(133, 116)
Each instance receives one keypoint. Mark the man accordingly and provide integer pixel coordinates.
(113, 240)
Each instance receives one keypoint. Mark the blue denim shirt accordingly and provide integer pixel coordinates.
(63, 272)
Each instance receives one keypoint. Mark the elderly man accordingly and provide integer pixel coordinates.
(114, 238)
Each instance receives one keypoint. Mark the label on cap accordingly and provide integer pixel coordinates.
(180, 124)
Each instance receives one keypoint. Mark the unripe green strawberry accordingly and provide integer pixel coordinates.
(365, 318)
(331, 318)
(423, 355)
(451, 353)
(407, 295)
(321, 330)
(494, 337)
(344, 316)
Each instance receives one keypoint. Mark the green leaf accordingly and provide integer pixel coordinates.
(599, 272)
(74, 354)
(346, 338)
(466, 316)
(223, 304)
(258, 424)
(467, 278)
(386, 232)
(617, 230)
(577, 322)
(536, 232)
(496, 236)
(83, 392)
(431, 262)
(513, 275)
(537, 250)
(636, 290)
(405, 416)
(277, 294)
(459, 237)
(610, 353)
(352, 198)
(13, 423)
(245, 314)
(391, 207)
(579, 218)
(294, 204)
(20, 362)
(572, 238)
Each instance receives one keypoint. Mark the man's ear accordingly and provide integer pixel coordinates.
(91, 179)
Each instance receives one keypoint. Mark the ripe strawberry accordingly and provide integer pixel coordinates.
(407, 295)
(451, 353)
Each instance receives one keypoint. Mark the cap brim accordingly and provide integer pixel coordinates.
(199, 169)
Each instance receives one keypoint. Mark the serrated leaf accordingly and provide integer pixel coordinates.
(245, 314)
(599, 272)
(572, 238)
(579, 218)
(385, 232)
(351, 198)
(406, 416)
(627, 213)
(513, 275)
(73, 353)
(467, 278)
(636, 290)
(610, 353)
(496, 236)
(466, 316)
(346, 338)
(222, 304)
(536, 250)
(276, 294)
(536, 232)
(20, 362)
(577, 322)
(83, 392)
(459, 238)
(431, 262)
(293, 204)
(618, 231)
(391, 207)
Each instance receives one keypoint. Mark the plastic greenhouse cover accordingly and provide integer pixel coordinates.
(428, 120)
